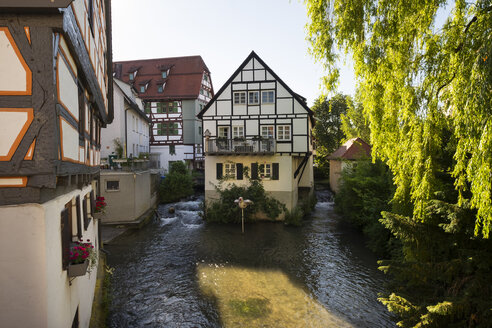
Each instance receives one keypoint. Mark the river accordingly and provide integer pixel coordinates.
(181, 272)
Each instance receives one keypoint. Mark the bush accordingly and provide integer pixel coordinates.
(177, 184)
(295, 217)
(226, 211)
(365, 191)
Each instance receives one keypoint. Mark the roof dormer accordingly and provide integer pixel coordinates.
(165, 70)
(132, 73)
(143, 86)
(160, 86)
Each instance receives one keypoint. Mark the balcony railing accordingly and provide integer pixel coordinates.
(235, 146)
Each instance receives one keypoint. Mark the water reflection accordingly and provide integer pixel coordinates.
(319, 273)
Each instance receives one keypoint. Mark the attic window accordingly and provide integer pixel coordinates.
(160, 87)
(205, 78)
(142, 88)
(165, 74)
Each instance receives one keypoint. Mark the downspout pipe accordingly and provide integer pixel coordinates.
(126, 133)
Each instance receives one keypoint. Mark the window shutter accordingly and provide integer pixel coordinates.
(275, 171)
(219, 171)
(79, 219)
(93, 203)
(66, 236)
(239, 171)
(86, 218)
(254, 171)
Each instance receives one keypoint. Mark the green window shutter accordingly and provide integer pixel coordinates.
(239, 171)
(275, 171)
(254, 171)
(219, 171)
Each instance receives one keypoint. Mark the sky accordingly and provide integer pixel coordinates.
(224, 32)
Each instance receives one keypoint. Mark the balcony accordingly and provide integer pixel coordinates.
(239, 147)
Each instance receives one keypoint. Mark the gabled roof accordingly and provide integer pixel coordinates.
(126, 89)
(355, 148)
(183, 82)
(252, 55)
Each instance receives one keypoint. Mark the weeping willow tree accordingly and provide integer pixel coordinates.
(424, 78)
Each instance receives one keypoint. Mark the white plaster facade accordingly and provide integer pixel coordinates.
(130, 124)
(31, 257)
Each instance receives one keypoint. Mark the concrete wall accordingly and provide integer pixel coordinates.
(336, 168)
(131, 201)
(35, 290)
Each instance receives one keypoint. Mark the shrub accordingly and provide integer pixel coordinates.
(177, 184)
(225, 210)
(365, 192)
(294, 217)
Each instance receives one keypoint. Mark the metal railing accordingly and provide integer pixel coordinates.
(240, 146)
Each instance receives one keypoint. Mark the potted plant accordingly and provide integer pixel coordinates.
(100, 205)
(83, 258)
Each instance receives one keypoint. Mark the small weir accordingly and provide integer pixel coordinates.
(179, 271)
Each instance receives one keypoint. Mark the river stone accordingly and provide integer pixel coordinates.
(171, 210)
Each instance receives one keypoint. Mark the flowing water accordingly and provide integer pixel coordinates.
(180, 272)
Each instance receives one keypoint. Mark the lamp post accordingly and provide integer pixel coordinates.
(242, 205)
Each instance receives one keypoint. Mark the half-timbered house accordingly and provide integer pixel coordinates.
(256, 121)
(55, 96)
(174, 91)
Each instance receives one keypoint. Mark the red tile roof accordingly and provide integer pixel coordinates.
(355, 148)
(183, 82)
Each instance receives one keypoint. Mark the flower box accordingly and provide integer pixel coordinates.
(79, 269)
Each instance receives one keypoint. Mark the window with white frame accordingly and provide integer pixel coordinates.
(265, 170)
(237, 131)
(267, 131)
(253, 97)
(267, 97)
(223, 132)
(230, 170)
(283, 132)
(240, 98)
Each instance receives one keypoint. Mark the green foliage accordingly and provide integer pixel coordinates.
(425, 90)
(328, 129)
(365, 191)
(225, 210)
(294, 217)
(445, 278)
(177, 184)
(301, 211)
(354, 124)
(416, 78)
(143, 156)
(118, 147)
